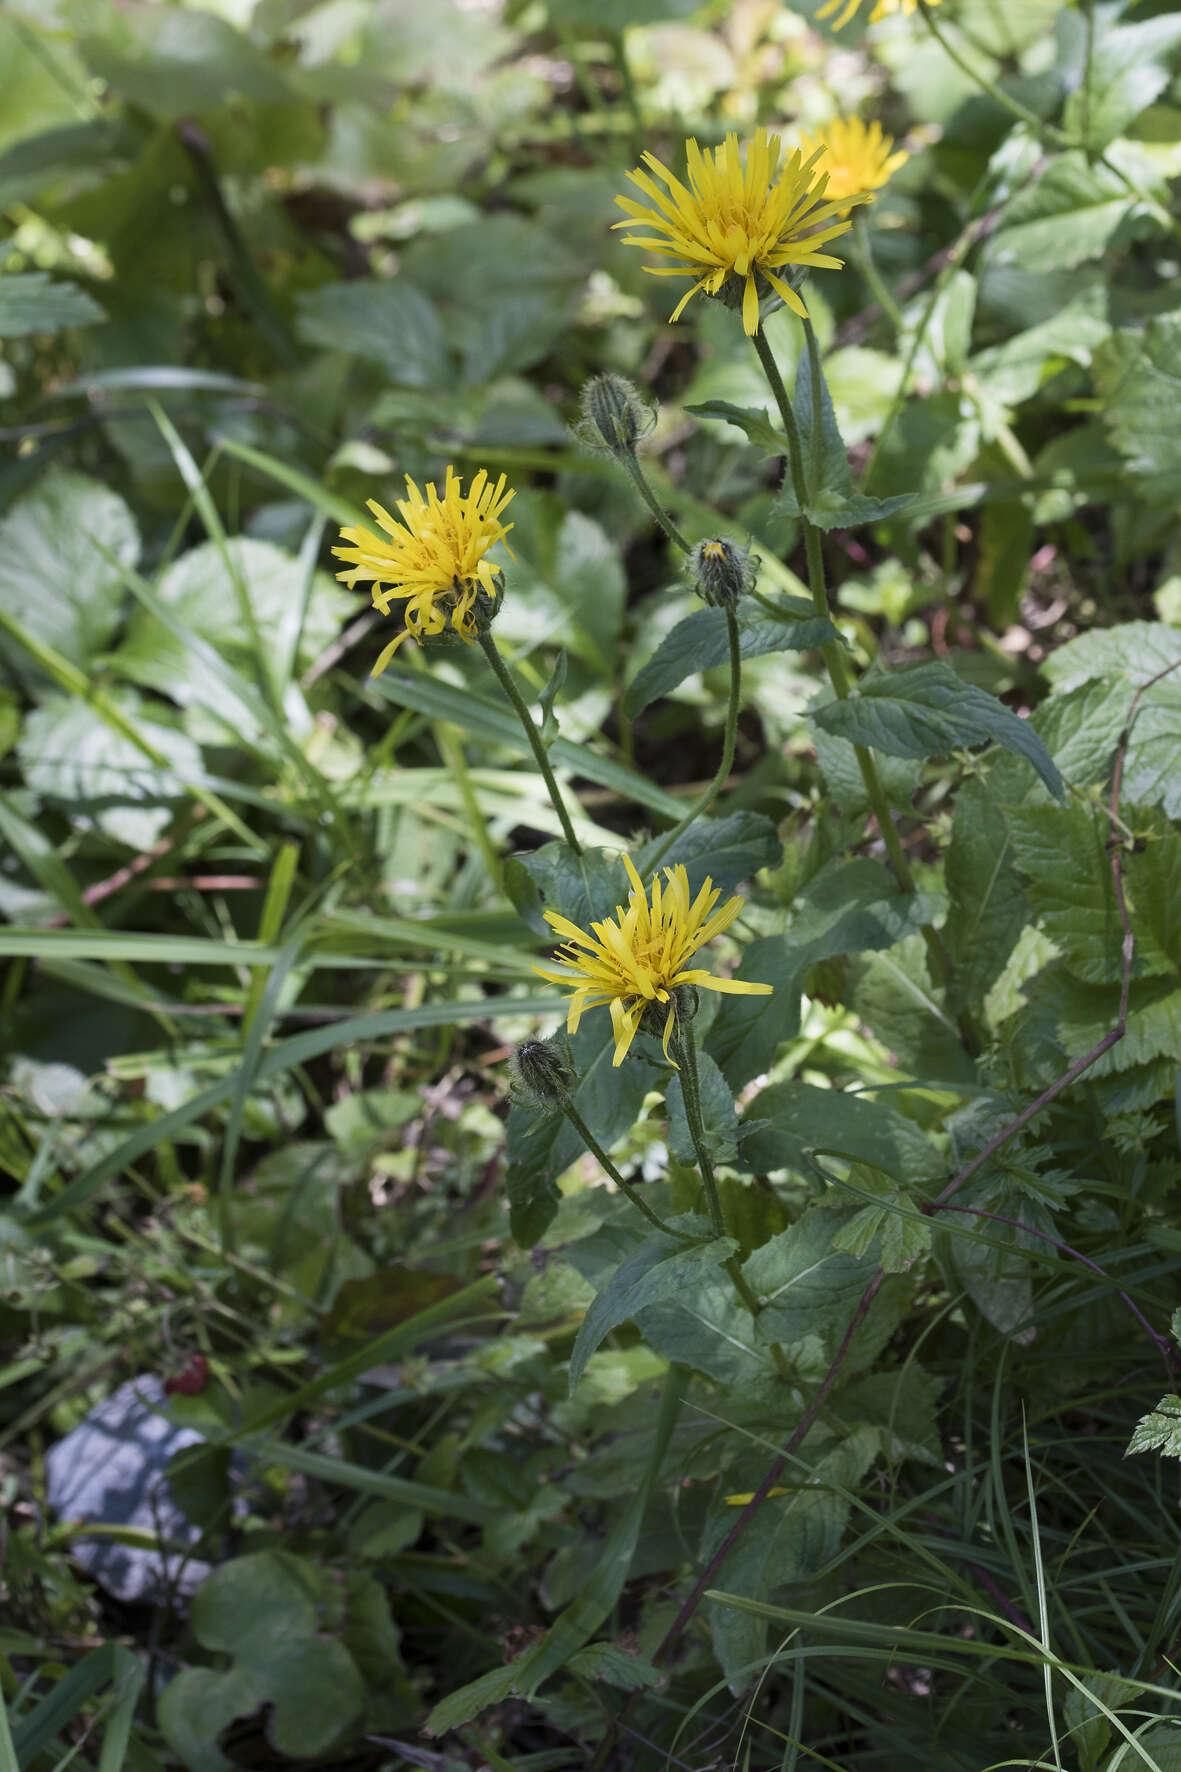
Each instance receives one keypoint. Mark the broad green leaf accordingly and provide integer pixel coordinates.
(927, 711)
(75, 150)
(789, 1538)
(701, 641)
(1128, 69)
(848, 907)
(1061, 851)
(1160, 1429)
(986, 907)
(1152, 878)
(198, 592)
(1012, 372)
(893, 993)
(387, 321)
(504, 288)
(584, 886)
(719, 1120)
(172, 63)
(53, 575)
(801, 1119)
(618, 1667)
(1073, 212)
(266, 1593)
(1132, 650)
(31, 302)
(805, 1284)
(659, 1269)
(1090, 1730)
(72, 756)
(1139, 376)
(725, 850)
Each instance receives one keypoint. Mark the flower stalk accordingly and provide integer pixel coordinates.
(540, 756)
(730, 739)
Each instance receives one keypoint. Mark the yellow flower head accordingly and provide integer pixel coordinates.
(856, 156)
(435, 559)
(882, 9)
(639, 956)
(747, 221)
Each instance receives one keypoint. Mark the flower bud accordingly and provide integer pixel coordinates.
(615, 415)
(722, 572)
(543, 1072)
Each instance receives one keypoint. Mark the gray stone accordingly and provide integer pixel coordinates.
(110, 1470)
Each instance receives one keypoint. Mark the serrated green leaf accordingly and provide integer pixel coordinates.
(927, 711)
(1075, 211)
(701, 641)
(896, 1229)
(1062, 854)
(1139, 376)
(31, 302)
(806, 1285)
(388, 321)
(659, 1269)
(1127, 69)
(849, 906)
(837, 510)
(606, 1661)
(986, 905)
(584, 886)
(1160, 1429)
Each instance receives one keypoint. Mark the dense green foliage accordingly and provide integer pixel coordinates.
(475, 1433)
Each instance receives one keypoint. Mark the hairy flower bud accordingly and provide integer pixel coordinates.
(543, 1072)
(722, 572)
(615, 415)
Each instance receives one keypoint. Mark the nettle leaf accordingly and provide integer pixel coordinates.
(1083, 1013)
(986, 905)
(801, 1119)
(31, 302)
(659, 1269)
(1139, 375)
(849, 906)
(702, 640)
(896, 1229)
(540, 1146)
(719, 1119)
(1160, 1429)
(927, 711)
(1062, 852)
(618, 1667)
(831, 502)
(1153, 881)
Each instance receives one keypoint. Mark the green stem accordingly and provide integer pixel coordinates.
(727, 763)
(599, 1154)
(1044, 131)
(492, 654)
(631, 463)
(879, 289)
(834, 655)
(686, 1051)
